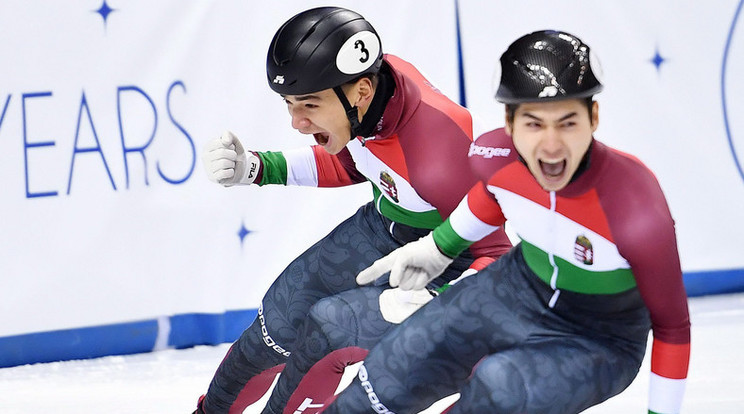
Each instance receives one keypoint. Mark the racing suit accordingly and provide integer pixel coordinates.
(561, 322)
(416, 160)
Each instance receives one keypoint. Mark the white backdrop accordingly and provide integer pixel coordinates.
(106, 216)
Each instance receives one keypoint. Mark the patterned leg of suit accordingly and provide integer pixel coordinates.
(561, 376)
(532, 358)
(348, 320)
(328, 267)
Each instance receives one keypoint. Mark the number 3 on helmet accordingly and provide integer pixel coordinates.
(322, 48)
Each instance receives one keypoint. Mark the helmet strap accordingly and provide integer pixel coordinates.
(351, 111)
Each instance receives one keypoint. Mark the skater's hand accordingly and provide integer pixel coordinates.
(411, 266)
(227, 162)
(396, 305)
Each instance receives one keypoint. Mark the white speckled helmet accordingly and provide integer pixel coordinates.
(548, 65)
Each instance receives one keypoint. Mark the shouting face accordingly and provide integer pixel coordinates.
(552, 138)
(322, 115)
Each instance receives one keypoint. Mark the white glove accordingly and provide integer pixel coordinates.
(396, 304)
(227, 163)
(411, 266)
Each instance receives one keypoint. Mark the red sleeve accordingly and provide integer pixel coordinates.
(643, 229)
(488, 154)
(440, 171)
(336, 170)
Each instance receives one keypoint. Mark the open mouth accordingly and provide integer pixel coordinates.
(321, 138)
(553, 170)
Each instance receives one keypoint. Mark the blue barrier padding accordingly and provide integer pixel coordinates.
(80, 343)
(714, 282)
(208, 329)
(187, 330)
(237, 321)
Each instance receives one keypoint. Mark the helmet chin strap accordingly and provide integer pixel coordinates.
(351, 112)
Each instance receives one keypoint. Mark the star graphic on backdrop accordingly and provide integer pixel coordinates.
(243, 232)
(657, 60)
(104, 11)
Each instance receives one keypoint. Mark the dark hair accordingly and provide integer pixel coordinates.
(511, 109)
(371, 76)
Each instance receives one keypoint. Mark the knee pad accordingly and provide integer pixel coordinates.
(497, 385)
(336, 320)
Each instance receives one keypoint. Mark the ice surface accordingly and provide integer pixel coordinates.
(170, 381)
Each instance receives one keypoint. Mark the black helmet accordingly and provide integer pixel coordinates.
(548, 65)
(322, 48)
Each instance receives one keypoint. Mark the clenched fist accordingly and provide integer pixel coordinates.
(227, 163)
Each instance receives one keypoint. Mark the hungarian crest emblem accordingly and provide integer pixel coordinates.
(388, 184)
(583, 250)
